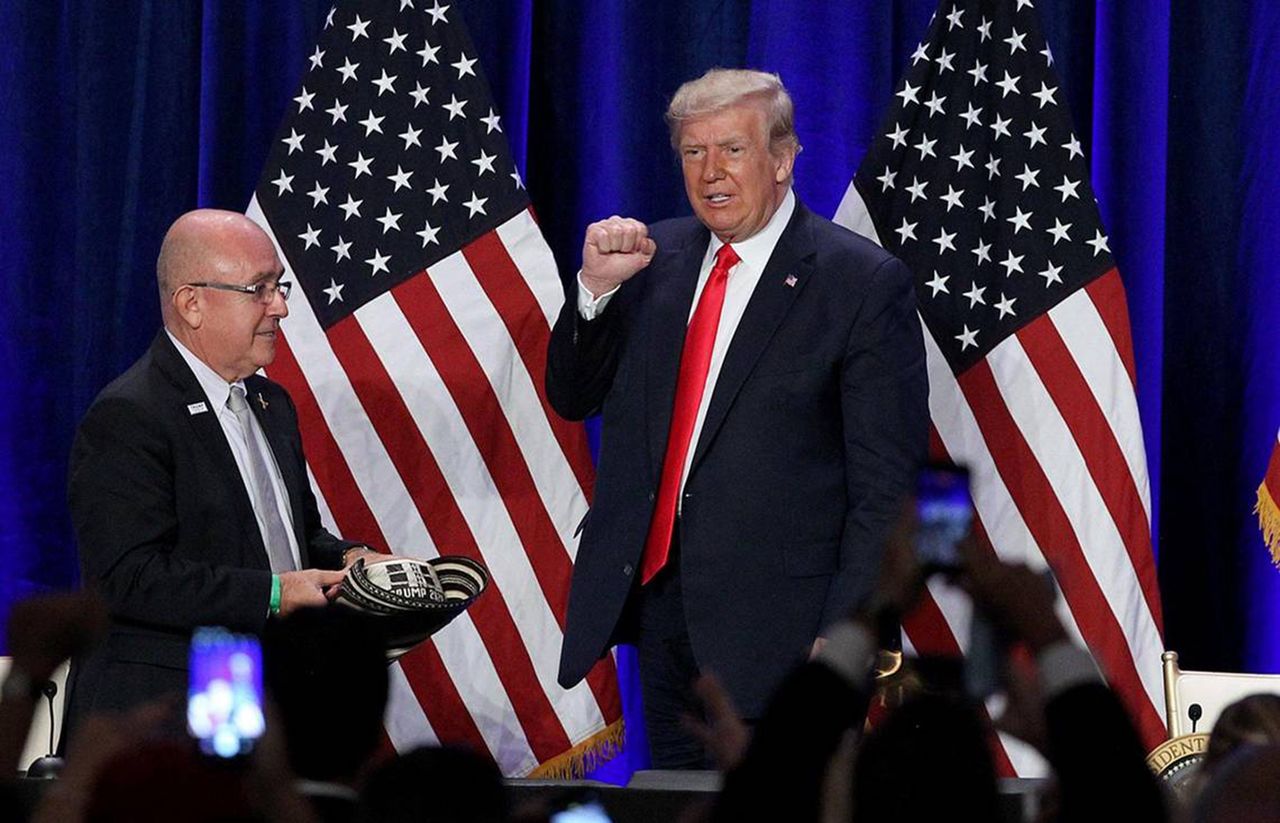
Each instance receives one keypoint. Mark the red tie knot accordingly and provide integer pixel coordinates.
(726, 258)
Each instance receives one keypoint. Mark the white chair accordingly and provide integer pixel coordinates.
(1193, 700)
(43, 727)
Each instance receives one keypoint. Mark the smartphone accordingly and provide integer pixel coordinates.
(224, 692)
(944, 509)
(588, 812)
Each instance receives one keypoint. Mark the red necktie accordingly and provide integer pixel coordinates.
(699, 340)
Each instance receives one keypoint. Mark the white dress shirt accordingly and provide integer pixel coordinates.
(217, 391)
(753, 254)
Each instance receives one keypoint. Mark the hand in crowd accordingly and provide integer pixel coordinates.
(48, 629)
(613, 251)
(721, 729)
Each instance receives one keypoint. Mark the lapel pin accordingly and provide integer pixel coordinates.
(262, 401)
(196, 408)
(791, 280)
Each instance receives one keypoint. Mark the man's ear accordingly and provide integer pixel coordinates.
(188, 306)
(784, 162)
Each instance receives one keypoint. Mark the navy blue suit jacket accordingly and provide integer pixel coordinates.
(816, 425)
(166, 530)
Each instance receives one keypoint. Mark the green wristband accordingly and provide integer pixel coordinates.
(276, 588)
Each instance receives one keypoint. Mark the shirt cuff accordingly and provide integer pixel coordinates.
(850, 651)
(589, 307)
(1064, 665)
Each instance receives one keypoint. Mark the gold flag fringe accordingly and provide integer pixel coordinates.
(1269, 521)
(587, 755)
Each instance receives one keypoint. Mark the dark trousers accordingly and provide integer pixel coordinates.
(667, 671)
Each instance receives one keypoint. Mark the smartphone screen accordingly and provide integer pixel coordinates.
(224, 692)
(944, 508)
(590, 812)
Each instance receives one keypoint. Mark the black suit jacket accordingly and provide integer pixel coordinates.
(166, 529)
(817, 422)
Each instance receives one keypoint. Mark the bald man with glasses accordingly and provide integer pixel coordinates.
(188, 488)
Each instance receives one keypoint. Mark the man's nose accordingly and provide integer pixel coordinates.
(278, 307)
(713, 167)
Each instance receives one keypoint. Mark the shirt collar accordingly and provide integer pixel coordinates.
(215, 388)
(756, 250)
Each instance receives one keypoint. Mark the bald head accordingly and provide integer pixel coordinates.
(207, 244)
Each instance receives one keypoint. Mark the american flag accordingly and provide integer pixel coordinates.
(980, 185)
(415, 353)
(1268, 505)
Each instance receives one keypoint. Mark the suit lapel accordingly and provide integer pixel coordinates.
(784, 278)
(667, 323)
(205, 430)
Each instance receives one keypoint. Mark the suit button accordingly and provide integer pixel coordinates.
(628, 569)
(650, 497)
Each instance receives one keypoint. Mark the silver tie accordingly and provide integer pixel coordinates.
(261, 489)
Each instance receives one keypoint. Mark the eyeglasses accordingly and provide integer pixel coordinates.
(262, 292)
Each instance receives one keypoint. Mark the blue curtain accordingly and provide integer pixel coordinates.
(120, 115)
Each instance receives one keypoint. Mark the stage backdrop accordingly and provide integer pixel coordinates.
(118, 116)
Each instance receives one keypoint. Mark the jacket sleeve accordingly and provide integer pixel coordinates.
(583, 355)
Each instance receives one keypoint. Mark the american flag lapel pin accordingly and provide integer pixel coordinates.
(262, 401)
(791, 280)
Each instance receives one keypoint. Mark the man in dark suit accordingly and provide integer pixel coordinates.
(188, 487)
(761, 376)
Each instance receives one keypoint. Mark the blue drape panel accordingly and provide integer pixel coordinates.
(118, 116)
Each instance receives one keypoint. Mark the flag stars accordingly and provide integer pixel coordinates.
(968, 338)
(944, 240)
(378, 262)
(1000, 127)
(1068, 188)
(1028, 177)
(515, 176)
(293, 141)
(984, 30)
(1035, 135)
(476, 205)
(396, 41)
(400, 179)
(283, 183)
(1020, 220)
(437, 13)
(988, 209)
(371, 123)
(1045, 95)
(327, 154)
(907, 231)
(886, 179)
(945, 62)
(419, 94)
(348, 69)
(311, 237)
(386, 83)
(978, 72)
(464, 66)
(1005, 306)
(898, 136)
(410, 136)
(921, 53)
(993, 168)
(341, 250)
(328, 18)
(358, 29)
(952, 198)
(484, 163)
(446, 149)
(437, 192)
(1012, 263)
(361, 164)
(975, 293)
(351, 208)
(962, 158)
(317, 59)
(454, 107)
(1099, 243)
(934, 104)
(982, 251)
(304, 100)
(428, 53)
(1009, 85)
(428, 234)
(925, 147)
(389, 221)
(938, 284)
(334, 291)
(1015, 42)
(492, 122)
(1059, 231)
(1051, 274)
(318, 195)
(908, 93)
(916, 188)
(337, 111)
(954, 19)
(1073, 148)
(971, 116)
